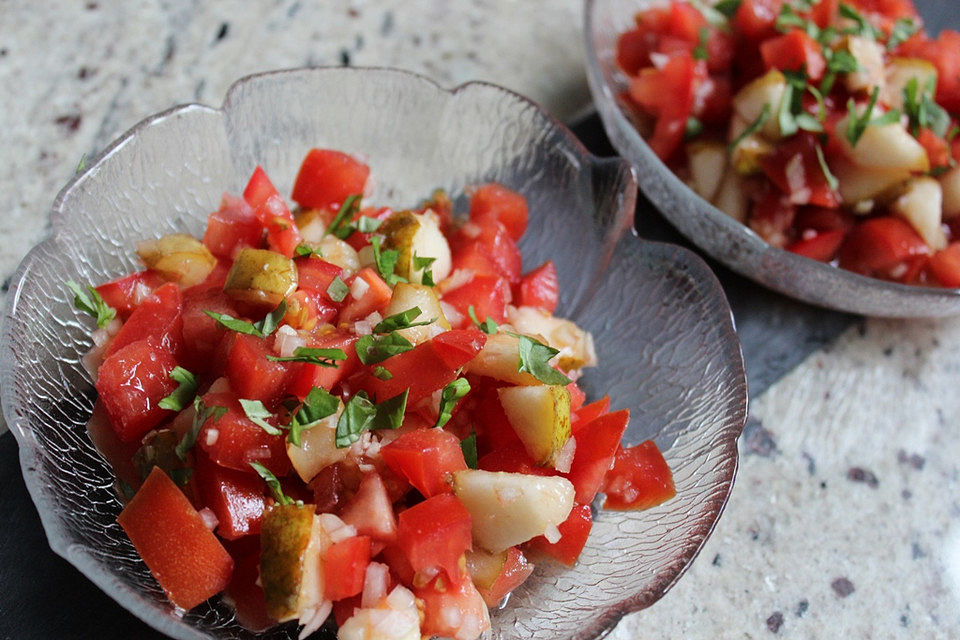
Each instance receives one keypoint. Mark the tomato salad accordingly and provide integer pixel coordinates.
(353, 410)
(828, 127)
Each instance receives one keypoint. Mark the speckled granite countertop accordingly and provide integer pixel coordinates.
(845, 521)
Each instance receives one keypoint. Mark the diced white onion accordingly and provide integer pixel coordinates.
(400, 598)
(287, 341)
(336, 528)
(797, 180)
(450, 616)
(92, 360)
(209, 518)
(374, 585)
(564, 457)
(359, 288)
(552, 534)
(316, 619)
(454, 317)
(659, 60)
(471, 230)
(212, 436)
(140, 293)
(365, 327)
(456, 280)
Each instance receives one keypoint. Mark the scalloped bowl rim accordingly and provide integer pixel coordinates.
(76, 554)
(601, 92)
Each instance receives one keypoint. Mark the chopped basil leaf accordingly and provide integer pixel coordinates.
(831, 179)
(313, 355)
(390, 412)
(535, 360)
(181, 476)
(373, 349)
(448, 399)
(423, 263)
(858, 123)
(318, 404)
(791, 116)
(272, 483)
(258, 414)
(82, 164)
(922, 110)
(863, 27)
(700, 51)
(754, 126)
(693, 128)
(728, 7)
(260, 329)
(402, 320)
(90, 301)
(469, 448)
(356, 418)
(304, 249)
(840, 61)
(952, 133)
(341, 226)
(386, 261)
(184, 393)
(903, 30)
(789, 20)
(382, 373)
(366, 224)
(203, 413)
(488, 326)
(338, 289)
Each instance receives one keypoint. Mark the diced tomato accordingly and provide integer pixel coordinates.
(201, 333)
(772, 217)
(440, 598)
(597, 444)
(755, 19)
(370, 510)
(486, 294)
(494, 431)
(182, 554)
(574, 532)
(427, 367)
(667, 94)
(795, 168)
(794, 51)
(327, 178)
(344, 609)
(577, 396)
(237, 499)
(540, 288)
(272, 212)
(125, 294)
(375, 297)
(344, 567)
(244, 588)
(316, 274)
(714, 100)
(514, 572)
(822, 219)
(880, 244)
(426, 458)
(945, 266)
(887, 8)
(251, 375)
(395, 558)
(588, 413)
(131, 384)
(234, 442)
(435, 533)
(938, 151)
(233, 226)
(494, 202)
(944, 53)
(632, 51)
(159, 317)
(639, 479)
(305, 376)
(501, 249)
(824, 12)
(821, 246)
(513, 458)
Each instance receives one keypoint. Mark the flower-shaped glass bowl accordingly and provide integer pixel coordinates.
(722, 237)
(663, 329)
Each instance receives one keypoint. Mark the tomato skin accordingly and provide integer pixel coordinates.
(485, 293)
(426, 458)
(588, 413)
(494, 431)
(574, 532)
(375, 298)
(794, 51)
(125, 294)
(234, 442)
(597, 444)
(327, 178)
(427, 367)
(464, 598)
(236, 498)
(159, 316)
(515, 571)
(632, 51)
(344, 567)
(316, 274)
(502, 250)
(370, 510)
(639, 479)
(131, 382)
(182, 554)
(272, 212)
(825, 12)
(540, 288)
(945, 266)
(513, 458)
(232, 226)
(822, 246)
(435, 533)
(944, 53)
(201, 333)
(879, 244)
(668, 95)
(251, 375)
(305, 376)
(495, 203)
(772, 216)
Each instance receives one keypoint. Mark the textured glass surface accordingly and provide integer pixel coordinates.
(730, 242)
(662, 325)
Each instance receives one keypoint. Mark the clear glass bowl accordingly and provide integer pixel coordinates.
(722, 237)
(663, 329)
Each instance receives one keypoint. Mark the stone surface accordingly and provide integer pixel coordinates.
(845, 521)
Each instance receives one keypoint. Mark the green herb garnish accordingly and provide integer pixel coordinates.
(342, 224)
(448, 399)
(366, 224)
(728, 7)
(488, 326)
(318, 404)
(700, 51)
(260, 329)
(258, 415)
(752, 128)
(903, 29)
(183, 395)
(373, 349)
(402, 320)
(305, 250)
(313, 355)
(272, 483)
(424, 264)
(694, 127)
(338, 289)
(203, 413)
(535, 360)
(922, 110)
(90, 301)
(469, 448)
(360, 414)
(382, 373)
(831, 179)
(386, 261)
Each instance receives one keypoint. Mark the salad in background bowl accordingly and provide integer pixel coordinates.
(660, 323)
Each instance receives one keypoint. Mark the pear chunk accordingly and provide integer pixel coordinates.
(178, 258)
(921, 205)
(407, 295)
(500, 359)
(540, 415)
(510, 508)
(261, 278)
(417, 235)
(292, 543)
